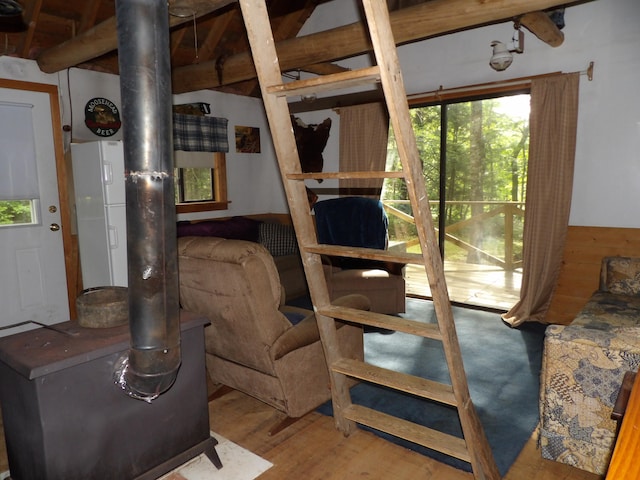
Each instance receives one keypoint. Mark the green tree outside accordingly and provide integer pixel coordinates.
(485, 167)
(15, 212)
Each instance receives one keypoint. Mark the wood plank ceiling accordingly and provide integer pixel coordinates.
(209, 47)
(208, 38)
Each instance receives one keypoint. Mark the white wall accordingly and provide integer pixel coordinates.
(24, 70)
(85, 85)
(607, 171)
(253, 179)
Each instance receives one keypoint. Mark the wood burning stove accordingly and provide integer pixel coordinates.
(66, 418)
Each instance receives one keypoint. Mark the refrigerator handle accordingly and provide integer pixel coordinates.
(113, 237)
(107, 174)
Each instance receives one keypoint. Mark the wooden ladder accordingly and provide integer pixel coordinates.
(473, 448)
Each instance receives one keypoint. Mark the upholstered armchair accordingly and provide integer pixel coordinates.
(360, 222)
(254, 344)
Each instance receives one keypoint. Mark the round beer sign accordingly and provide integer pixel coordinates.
(101, 116)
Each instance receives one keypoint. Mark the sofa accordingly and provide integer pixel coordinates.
(583, 367)
(270, 231)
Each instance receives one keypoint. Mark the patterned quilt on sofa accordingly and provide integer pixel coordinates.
(583, 367)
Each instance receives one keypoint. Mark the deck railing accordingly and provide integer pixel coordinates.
(509, 210)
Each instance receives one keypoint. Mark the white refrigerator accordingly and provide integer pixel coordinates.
(98, 177)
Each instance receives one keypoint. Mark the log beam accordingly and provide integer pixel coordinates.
(103, 38)
(543, 27)
(409, 24)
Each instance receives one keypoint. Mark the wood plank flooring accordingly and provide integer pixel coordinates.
(312, 449)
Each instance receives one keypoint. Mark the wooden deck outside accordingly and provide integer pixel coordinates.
(493, 284)
(485, 286)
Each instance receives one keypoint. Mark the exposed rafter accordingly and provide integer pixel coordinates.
(221, 60)
(103, 38)
(409, 24)
(542, 27)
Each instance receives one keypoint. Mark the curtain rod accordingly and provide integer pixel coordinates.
(499, 85)
(440, 94)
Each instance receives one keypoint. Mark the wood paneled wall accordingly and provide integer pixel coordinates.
(580, 273)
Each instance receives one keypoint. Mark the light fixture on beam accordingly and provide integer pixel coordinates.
(502, 54)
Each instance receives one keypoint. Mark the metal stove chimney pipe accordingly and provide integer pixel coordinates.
(145, 84)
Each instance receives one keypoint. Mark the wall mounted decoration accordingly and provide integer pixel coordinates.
(102, 117)
(194, 133)
(247, 139)
(310, 141)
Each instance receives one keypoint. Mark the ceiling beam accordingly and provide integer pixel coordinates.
(89, 15)
(30, 15)
(323, 68)
(542, 27)
(283, 27)
(409, 24)
(103, 38)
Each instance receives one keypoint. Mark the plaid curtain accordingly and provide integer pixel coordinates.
(194, 133)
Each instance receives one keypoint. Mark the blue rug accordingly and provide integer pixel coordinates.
(502, 367)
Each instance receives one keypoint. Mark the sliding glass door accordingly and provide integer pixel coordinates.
(474, 158)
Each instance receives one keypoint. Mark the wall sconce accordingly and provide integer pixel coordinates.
(309, 98)
(502, 57)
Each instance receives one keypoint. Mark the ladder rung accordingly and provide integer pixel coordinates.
(418, 434)
(334, 81)
(380, 320)
(343, 175)
(368, 253)
(403, 382)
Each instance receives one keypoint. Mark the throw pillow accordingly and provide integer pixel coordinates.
(278, 239)
(623, 275)
(235, 228)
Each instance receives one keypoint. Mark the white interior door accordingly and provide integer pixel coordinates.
(32, 260)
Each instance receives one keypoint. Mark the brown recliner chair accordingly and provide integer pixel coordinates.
(251, 344)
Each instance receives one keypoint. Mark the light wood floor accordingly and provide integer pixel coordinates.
(312, 449)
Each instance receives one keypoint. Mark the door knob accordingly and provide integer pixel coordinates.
(54, 227)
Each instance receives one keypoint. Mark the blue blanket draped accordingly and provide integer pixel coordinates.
(352, 222)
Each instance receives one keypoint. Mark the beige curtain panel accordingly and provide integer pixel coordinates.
(364, 130)
(553, 122)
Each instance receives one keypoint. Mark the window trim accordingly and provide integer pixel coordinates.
(220, 202)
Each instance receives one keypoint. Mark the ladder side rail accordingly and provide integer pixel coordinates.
(376, 11)
(256, 19)
(399, 115)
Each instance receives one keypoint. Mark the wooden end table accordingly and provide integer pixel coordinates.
(624, 464)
